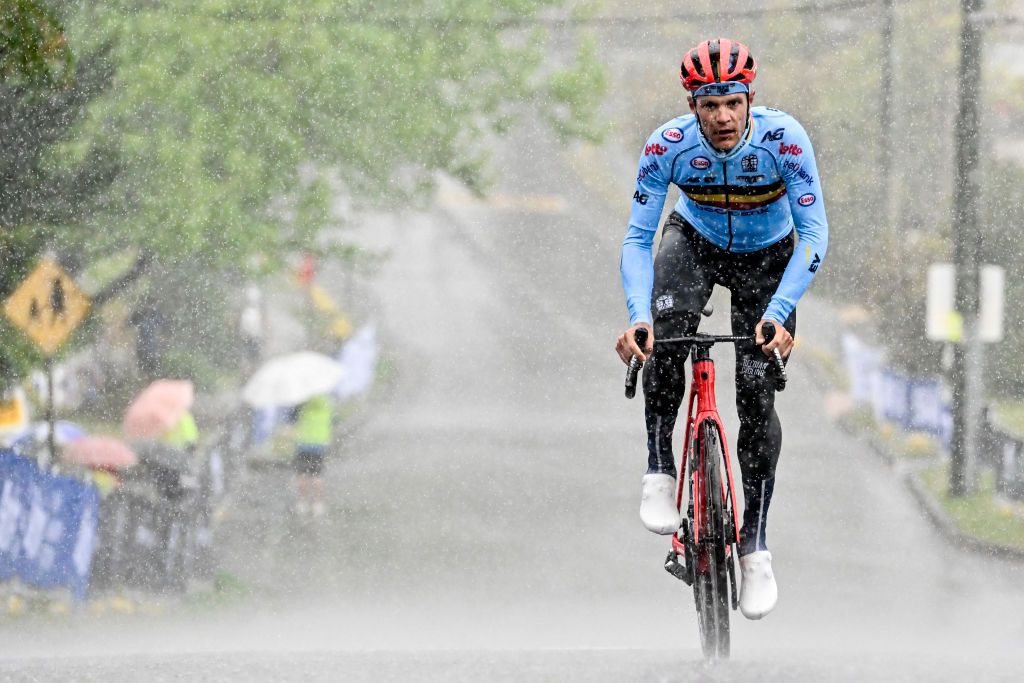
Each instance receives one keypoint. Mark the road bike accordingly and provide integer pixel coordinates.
(703, 553)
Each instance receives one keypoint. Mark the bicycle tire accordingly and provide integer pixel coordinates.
(711, 584)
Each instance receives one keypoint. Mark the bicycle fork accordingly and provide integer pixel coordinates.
(685, 542)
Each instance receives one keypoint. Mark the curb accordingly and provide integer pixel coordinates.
(941, 521)
(931, 508)
(934, 512)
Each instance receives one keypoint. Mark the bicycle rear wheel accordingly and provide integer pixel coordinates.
(711, 584)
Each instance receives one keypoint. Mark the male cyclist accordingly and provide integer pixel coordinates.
(748, 181)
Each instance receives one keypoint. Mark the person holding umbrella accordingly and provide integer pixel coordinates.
(304, 381)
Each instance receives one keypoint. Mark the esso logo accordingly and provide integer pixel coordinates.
(806, 199)
(672, 135)
(700, 163)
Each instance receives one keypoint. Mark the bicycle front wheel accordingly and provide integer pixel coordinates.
(711, 584)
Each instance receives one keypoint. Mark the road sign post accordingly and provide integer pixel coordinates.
(48, 306)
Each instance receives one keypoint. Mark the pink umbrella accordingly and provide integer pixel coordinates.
(100, 452)
(158, 408)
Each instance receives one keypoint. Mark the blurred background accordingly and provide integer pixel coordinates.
(430, 197)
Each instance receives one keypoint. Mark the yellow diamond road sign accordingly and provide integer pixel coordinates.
(47, 306)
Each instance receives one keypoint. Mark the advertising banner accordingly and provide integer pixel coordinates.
(47, 526)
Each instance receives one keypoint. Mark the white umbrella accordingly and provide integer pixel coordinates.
(291, 379)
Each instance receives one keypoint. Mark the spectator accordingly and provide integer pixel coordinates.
(250, 326)
(314, 426)
(184, 435)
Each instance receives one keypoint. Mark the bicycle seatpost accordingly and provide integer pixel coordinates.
(768, 330)
(635, 363)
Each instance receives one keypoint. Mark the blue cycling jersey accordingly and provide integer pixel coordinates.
(742, 200)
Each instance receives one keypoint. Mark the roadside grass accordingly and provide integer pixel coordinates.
(981, 514)
(1009, 415)
(916, 446)
(225, 589)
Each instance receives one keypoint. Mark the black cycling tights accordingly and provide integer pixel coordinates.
(686, 269)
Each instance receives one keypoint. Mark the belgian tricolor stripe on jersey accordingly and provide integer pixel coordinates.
(739, 198)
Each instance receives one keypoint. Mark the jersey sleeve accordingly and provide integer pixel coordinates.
(637, 263)
(803, 186)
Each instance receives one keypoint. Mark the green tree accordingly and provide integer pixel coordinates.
(43, 93)
(232, 115)
(33, 48)
(223, 108)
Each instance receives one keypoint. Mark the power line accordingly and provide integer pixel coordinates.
(518, 22)
(752, 12)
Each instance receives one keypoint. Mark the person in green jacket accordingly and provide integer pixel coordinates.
(314, 429)
(184, 435)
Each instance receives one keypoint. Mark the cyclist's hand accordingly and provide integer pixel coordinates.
(626, 345)
(783, 340)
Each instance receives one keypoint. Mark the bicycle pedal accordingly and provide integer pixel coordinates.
(674, 567)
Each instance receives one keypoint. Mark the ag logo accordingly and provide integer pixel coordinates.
(700, 163)
(640, 198)
(749, 163)
(774, 135)
(672, 134)
(815, 263)
(806, 199)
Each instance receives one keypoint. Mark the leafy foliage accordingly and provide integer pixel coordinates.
(33, 48)
(240, 123)
(43, 93)
(224, 107)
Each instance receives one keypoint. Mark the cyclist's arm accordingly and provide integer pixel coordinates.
(637, 264)
(800, 172)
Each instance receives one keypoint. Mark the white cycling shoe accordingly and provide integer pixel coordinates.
(658, 505)
(758, 592)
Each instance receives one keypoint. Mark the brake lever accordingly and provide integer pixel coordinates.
(768, 330)
(635, 363)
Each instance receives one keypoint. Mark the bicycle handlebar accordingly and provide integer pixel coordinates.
(768, 329)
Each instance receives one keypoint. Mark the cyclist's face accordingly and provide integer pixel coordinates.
(723, 117)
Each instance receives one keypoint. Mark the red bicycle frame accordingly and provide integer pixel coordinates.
(702, 406)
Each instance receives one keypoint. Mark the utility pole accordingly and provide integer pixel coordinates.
(966, 371)
(885, 112)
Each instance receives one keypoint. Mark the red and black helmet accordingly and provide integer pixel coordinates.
(717, 61)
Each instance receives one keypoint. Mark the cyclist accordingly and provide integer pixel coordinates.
(750, 218)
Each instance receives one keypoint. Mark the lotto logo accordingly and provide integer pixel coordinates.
(655, 149)
(789, 149)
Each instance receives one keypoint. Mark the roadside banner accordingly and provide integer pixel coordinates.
(918, 404)
(47, 526)
(863, 363)
(927, 406)
(891, 396)
(359, 359)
